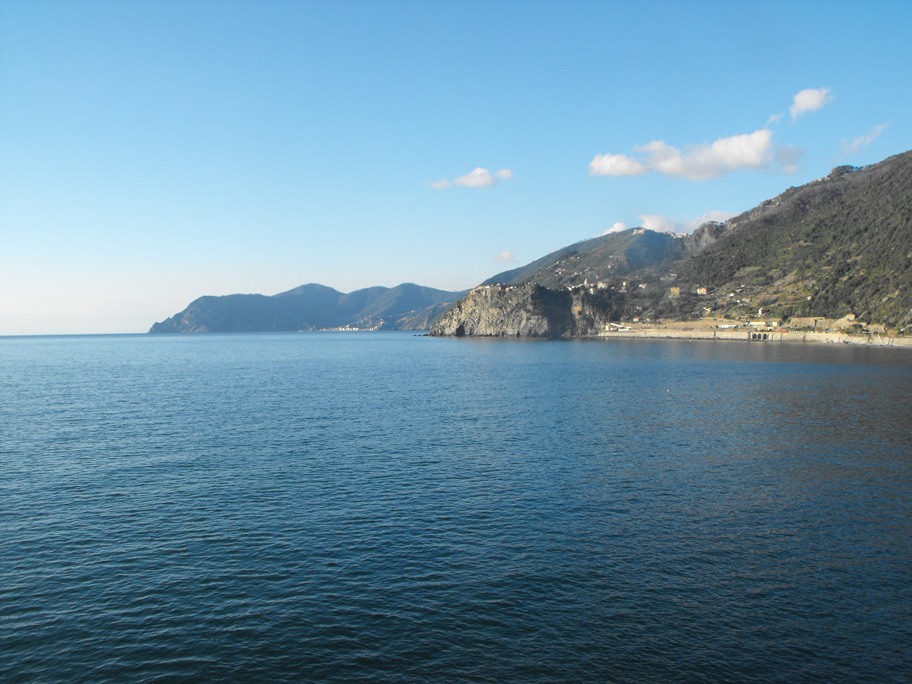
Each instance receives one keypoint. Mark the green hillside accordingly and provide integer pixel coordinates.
(836, 246)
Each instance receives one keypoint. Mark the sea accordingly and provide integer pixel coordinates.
(391, 507)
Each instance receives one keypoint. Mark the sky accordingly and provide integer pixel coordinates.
(155, 152)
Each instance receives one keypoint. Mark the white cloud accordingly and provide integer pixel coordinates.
(659, 223)
(477, 178)
(616, 165)
(699, 162)
(850, 147)
(774, 118)
(666, 224)
(712, 215)
(505, 257)
(618, 227)
(703, 161)
(810, 100)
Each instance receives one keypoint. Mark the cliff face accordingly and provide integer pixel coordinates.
(527, 310)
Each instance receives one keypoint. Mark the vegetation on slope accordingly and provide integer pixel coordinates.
(837, 246)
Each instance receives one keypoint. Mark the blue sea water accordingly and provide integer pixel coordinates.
(393, 508)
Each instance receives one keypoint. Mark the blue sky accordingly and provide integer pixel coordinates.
(153, 152)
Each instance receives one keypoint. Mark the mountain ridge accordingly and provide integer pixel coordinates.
(312, 307)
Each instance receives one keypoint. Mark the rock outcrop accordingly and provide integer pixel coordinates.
(528, 310)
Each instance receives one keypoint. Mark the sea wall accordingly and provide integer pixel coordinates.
(760, 336)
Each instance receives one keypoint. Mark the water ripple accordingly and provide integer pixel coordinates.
(392, 508)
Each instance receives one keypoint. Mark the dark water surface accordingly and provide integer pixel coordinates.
(386, 507)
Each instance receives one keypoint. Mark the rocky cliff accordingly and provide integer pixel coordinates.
(527, 310)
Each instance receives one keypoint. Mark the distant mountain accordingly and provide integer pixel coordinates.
(312, 307)
(837, 246)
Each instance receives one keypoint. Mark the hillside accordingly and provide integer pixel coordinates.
(839, 246)
(312, 307)
(601, 258)
(836, 246)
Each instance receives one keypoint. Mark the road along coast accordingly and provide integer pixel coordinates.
(696, 331)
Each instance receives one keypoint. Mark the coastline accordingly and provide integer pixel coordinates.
(765, 336)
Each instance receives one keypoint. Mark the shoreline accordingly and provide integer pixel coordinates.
(759, 336)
